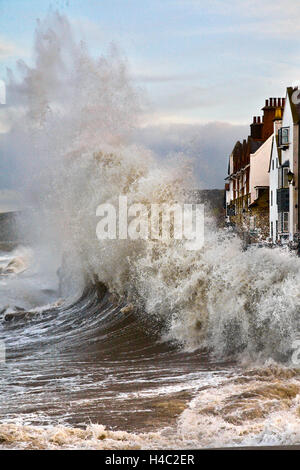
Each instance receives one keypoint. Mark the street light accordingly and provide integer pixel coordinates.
(290, 176)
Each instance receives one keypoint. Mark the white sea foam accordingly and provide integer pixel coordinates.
(251, 408)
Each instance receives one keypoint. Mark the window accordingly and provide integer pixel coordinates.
(285, 227)
(272, 164)
(283, 200)
(271, 198)
(271, 230)
(283, 136)
(285, 181)
(276, 229)
(284, 221)
(283, 178)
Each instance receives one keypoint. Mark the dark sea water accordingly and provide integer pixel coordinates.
(95, 373)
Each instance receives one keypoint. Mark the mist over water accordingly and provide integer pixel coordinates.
(189, 314)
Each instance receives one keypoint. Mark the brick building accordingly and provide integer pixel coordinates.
(247, 183)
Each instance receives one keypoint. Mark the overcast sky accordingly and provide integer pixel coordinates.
(206, 66)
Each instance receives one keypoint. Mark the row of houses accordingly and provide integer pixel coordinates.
(261, 188)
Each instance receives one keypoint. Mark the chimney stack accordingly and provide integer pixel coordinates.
(272, 110)
(256, 128)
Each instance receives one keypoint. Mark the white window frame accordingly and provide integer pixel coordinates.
(284, 140)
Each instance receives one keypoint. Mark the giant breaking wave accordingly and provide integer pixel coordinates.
(71, 118)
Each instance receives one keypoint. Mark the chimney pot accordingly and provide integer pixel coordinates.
(267, 103)
(254, 119)
(258, 119)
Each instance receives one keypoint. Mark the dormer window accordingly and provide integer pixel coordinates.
(283, 136)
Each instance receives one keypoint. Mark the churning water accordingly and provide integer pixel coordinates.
(121, 343)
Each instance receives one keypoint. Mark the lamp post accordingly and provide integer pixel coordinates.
(290, 177)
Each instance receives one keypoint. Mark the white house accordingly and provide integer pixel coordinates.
(259, 166)
(275, 158)
(283, 173)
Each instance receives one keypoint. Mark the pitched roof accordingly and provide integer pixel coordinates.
(279, 151)
(254, 144)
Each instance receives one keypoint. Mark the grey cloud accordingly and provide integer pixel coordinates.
(186, 98)
(209, 145)
(272, 18)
